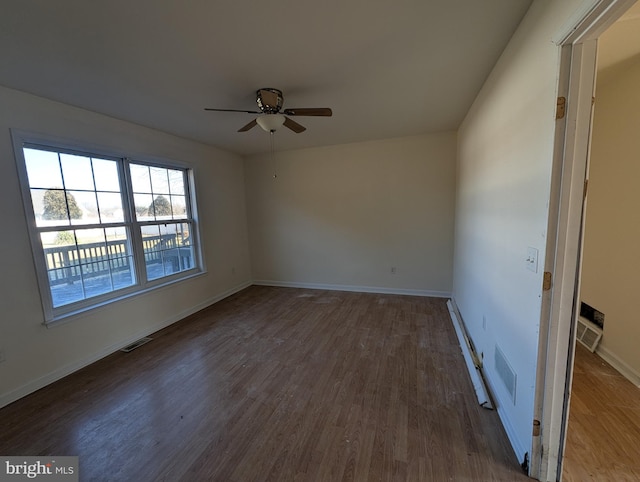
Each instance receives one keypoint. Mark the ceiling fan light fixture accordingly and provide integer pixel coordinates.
(270, 122)
(270, 102)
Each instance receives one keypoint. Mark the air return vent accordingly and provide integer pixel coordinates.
(588, 334)
(136, 344)
(589, 313)
(506, 373)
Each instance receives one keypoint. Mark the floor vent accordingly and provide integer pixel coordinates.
(506, 373)
(136, 344)
(588, 334)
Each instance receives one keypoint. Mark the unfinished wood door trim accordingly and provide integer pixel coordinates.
(566, 264)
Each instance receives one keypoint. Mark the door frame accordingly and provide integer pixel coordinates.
(578, 51)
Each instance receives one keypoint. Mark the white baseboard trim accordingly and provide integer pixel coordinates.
(622, 367)
(519, 449)
(516, 444)
(475, 373)
(43, 381)
(357, 289)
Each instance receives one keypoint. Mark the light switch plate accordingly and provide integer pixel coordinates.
(532, 259)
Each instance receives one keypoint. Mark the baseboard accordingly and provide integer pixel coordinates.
(475, 373)
(624, 369)
(519, 449)
(357, 289)
(516, 444)
(62, 372)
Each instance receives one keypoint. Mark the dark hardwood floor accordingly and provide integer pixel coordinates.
(276, 384)
(603, 436)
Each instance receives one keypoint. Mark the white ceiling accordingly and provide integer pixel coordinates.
(387, 68)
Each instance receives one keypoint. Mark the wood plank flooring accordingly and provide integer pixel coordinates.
(276, 384)
(603, 436)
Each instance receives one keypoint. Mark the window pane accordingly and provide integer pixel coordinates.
(120, 257)
(59, 250)
(118, 242)
(106, 175)
(184, 258)
(63, 267)
(152, 243)
(96, 278)
(179, 207)
(83, 207)
(77, 173)
(122, 272)
(184, 236)
(176, 181)
(159, 180)
(144, 207)
(110, 204)
(54, 207)
(168, 233)
(77, 203)
(50, 210)
(91, 245)
(167, 248)
(161, 207)
(170, 262)
(43, 168)
(140, 180)
(83, 263)
(63, 292)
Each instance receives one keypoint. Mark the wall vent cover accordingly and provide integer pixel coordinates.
(136, 344)
(506, 373)
(588, 334)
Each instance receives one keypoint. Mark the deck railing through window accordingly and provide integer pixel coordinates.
(66, 264)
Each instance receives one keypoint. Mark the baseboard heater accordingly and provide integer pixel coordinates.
(473, 366)
(136, 344)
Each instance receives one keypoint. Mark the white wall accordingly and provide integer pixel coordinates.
(505, 149)
(36, 355)
(611, 261)
(343, 216)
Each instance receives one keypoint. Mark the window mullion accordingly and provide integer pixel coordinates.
(135, 232)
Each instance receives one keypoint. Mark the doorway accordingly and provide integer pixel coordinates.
(567, 208)
(604, 422)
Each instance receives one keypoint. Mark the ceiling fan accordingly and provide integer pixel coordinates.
(270, 102)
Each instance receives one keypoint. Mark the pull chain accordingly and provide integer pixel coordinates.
(273, 159)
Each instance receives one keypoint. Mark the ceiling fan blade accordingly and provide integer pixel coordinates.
(233, 110)
(320, 111)
(250, 125)
(294, 126)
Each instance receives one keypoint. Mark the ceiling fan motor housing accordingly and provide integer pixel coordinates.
(269, 100)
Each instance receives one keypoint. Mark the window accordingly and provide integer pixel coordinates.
(105, 227)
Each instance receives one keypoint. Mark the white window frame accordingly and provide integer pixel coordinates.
(66, 312)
